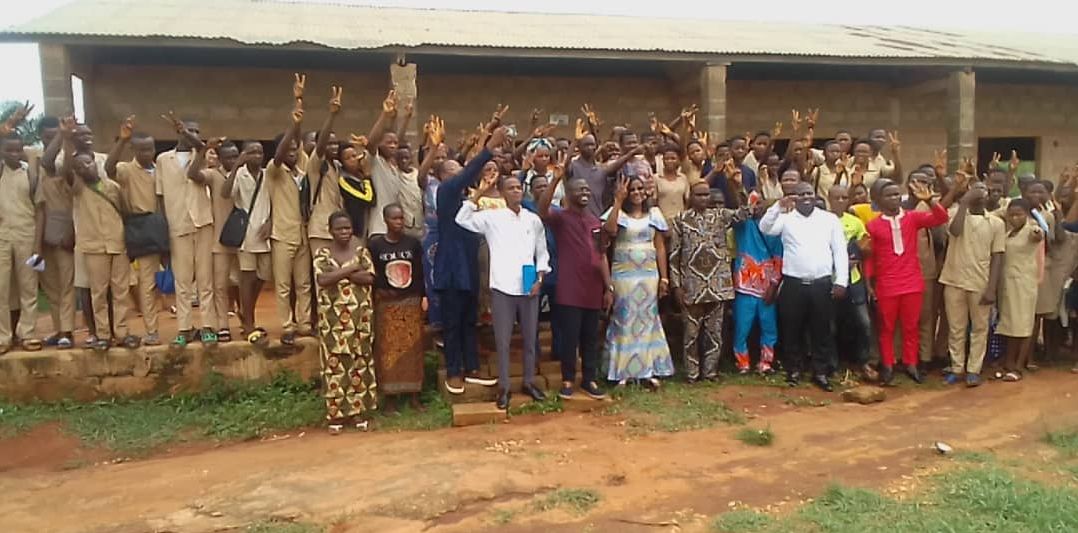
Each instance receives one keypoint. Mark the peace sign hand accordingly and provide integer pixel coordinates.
(298, 85)
(335, 93)
(127, 128)
(389, 105)
(622, 191)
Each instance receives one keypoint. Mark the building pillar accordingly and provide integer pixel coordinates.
(56, 78)
(961, 133)
(713, 101)
(403, 77)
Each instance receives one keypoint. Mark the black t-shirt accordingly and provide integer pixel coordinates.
(398, 266)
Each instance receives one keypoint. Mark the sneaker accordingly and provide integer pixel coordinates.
(454, 385)
(566, 391)
(593, 391)
(951, 378)
(973, 380)
(153, 339)
(744, 371)
(475, 378)
(182, 338)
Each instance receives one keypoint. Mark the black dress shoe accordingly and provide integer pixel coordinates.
(912, 372)
(822, 382)
(793, 378)
(503, 399)
(535, 393)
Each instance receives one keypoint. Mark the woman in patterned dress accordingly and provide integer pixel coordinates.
(344, 272)
(635, 342)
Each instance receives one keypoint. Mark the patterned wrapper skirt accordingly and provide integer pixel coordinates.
(398, 342)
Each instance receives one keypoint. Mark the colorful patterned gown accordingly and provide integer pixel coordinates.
(344, 326)
(635, 342)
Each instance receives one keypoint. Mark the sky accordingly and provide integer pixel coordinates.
(1033, 16)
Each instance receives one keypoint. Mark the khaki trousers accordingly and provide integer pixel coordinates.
(192, 266)
(292, 271)
(109, 271)
(223, 264)
(13, 256)
(58, 282)
(146, 285)
(932, 313)
(964, 309)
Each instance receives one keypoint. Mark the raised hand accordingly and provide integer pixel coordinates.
(559, 167)
(732, 171)
(857, 175)
(214, 143)
(127, 128)
(664, 129)
(543, 130)
(177, 125)
(786, 203)
(298, 85)
(996, 158)
(297, 113)
(360, 142)
(795, 120)
(921, 191)
(1012, 166)
(535, 117)
(843, 163)
(969, 166)
(389, 105)
(499, 114)
(436, 132)
(489, 180)
(776, 130)
(335, 93)
(811, 117)
(940, 163)
(653, 122)
(895, 143)
(67, 126)
(19, 115)
(498, 138)
(622, 191)
(580, 131)
(961, 181)
(591, 116)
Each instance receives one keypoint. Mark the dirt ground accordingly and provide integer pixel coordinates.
(462, 480)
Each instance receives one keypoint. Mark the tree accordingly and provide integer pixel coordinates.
(28, 129)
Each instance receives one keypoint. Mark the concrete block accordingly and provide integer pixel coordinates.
(471, 414)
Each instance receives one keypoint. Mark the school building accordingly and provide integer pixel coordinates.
(229, 65)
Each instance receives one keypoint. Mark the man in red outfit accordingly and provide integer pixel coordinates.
(897, 270)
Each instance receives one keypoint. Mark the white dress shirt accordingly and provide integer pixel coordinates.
(515, 240)
(813, 247)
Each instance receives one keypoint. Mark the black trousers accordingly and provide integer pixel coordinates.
(806, 306)
(460, 310)
(577, 327)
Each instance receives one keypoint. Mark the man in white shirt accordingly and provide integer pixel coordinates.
(517, 240)
(815, 270)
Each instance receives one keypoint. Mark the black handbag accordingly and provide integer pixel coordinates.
(145, 234)
(235, 229)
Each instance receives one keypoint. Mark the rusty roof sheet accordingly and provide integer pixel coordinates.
(352, 27)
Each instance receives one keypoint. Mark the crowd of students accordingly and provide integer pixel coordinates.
(622, 235)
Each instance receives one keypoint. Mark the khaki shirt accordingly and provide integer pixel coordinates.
(825, 178)
(411, 199)
(243, 190)
(284, 201)
(222, 207)
(969, 255)
(386, 179)
(17, 205)
(324, 201)
(99, 228)
(879, 167)
(187, 204)
(926, 249)
(139, 186)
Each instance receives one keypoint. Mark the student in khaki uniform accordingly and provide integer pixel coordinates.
(970, 276)
(138, 182)
(249, 192)
(69, 280)
(189, 211)
(323, 172)
(224, 257)
(20, 221)
(290, 251)
(830, 172)
(878, 165)
(99, 235)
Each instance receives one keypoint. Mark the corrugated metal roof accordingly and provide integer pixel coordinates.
(349, 27)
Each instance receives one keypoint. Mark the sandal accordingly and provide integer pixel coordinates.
(224, 335)
(31, 345)
(90, 342)
(363, 425)
(131, 342)
(288, 339)
(102, 345)
(65, 343)
(182, 338)
(998, 375)
(208, 336)
(1012, 377)
(259, 337)
(652, 384)
(335, 429)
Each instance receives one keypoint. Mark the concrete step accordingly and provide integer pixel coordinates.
(478, 393)
(472, 414)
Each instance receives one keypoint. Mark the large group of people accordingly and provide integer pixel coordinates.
(791, 259)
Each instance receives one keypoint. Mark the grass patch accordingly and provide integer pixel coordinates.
(974, 457)
(756, 437)
(273, 526)
(803, 401)
(225, 410)
(676, 407)
(972, 500)
(501, 517)
(741, 520)
(1065, 440)
(578, 501)
(552, 404)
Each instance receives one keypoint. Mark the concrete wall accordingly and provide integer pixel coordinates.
(254, 103)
